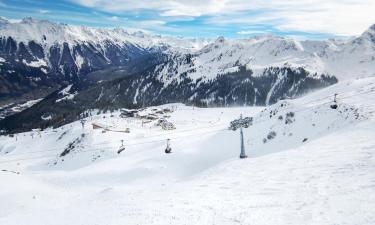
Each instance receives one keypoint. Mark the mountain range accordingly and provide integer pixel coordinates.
(76, 69)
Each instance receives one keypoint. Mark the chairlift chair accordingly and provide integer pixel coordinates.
(168, 149)
(334, 105)
(122, 147)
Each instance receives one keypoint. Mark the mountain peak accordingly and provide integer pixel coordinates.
(28, 20)
(369, 34)
(3, 20)
(372, 28)
(220, 39)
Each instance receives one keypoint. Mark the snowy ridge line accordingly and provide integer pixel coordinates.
(183, 131)
(101, 148)
(49, 33)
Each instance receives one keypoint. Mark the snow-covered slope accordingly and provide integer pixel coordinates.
(10, 109)
(309, 163)
(343, 59)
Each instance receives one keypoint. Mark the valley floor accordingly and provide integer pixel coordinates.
(308, 164)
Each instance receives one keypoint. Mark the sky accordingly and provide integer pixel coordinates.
(305, 19)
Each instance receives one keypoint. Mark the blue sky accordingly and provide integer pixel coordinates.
(313, 19)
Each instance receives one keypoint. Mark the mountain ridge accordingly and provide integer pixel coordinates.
(159, 70)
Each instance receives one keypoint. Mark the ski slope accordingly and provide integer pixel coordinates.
(308, 164)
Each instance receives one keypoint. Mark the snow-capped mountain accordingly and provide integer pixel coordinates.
(113, 68)
(38, 51)
(343, 59)
(38, 54)
(49, 34)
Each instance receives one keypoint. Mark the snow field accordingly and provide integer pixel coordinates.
(326, 179)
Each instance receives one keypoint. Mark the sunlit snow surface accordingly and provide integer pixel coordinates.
(317, 167)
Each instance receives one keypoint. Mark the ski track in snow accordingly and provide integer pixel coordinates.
(328, 179)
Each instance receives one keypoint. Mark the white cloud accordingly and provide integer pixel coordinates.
(249, 32)
(340, 17)
(44, 11)
(10, 20)
(114, 18)
(165, 7)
